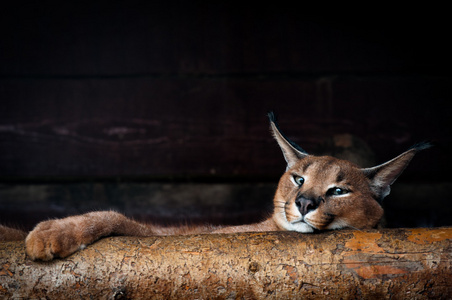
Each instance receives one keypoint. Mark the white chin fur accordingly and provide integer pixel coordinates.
(302, 227)
(298, 226)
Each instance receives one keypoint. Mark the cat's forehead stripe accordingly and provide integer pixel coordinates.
(306, 166)
(316, 166)
(324, 166)
(340, 176)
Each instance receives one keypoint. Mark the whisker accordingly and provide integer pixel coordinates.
(281, 203)
(352, 227)
(290, 214)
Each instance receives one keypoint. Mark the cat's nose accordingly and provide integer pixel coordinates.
(305, 205)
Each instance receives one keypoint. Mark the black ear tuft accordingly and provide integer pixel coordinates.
(421, 146)
(272, 118)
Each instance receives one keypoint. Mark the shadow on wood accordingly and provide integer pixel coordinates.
(396, 263)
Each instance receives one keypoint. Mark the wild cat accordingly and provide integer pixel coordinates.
(314, 193)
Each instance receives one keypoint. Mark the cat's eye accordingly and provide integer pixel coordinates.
(337, 191)
(298, 180)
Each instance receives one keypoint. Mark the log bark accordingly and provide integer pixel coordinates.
(375, 264)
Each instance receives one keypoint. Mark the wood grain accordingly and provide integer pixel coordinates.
(402, 263)
(197, 127)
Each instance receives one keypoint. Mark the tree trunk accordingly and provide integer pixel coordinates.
(392, 263)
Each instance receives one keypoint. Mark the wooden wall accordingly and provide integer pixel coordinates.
(183, 89)
(180, 89)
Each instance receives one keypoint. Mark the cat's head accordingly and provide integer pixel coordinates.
(323, 192)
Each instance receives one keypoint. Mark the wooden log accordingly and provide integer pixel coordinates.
(391, 263)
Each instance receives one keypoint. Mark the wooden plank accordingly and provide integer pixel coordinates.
(23, 205)
(212, 38)
(413, 263)
(200, 127)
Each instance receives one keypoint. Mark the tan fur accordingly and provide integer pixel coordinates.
(357, 209)
(11, 234)
(297, 207)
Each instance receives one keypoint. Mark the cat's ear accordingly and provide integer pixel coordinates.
(291, 151)
(382, 176)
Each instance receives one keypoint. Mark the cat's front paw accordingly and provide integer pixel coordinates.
(54, 238)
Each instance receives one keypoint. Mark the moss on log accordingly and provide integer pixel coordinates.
(392, 263)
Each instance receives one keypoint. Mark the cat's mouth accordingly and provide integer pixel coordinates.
(332, 224)
(303, 219)
(304, 222)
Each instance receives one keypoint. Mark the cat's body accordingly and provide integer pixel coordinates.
(315, 193)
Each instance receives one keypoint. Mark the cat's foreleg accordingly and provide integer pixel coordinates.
(62, 237)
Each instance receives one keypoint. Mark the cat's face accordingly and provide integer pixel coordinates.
(325, 193)
(322, 192)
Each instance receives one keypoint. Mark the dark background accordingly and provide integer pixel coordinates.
(159, 109)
